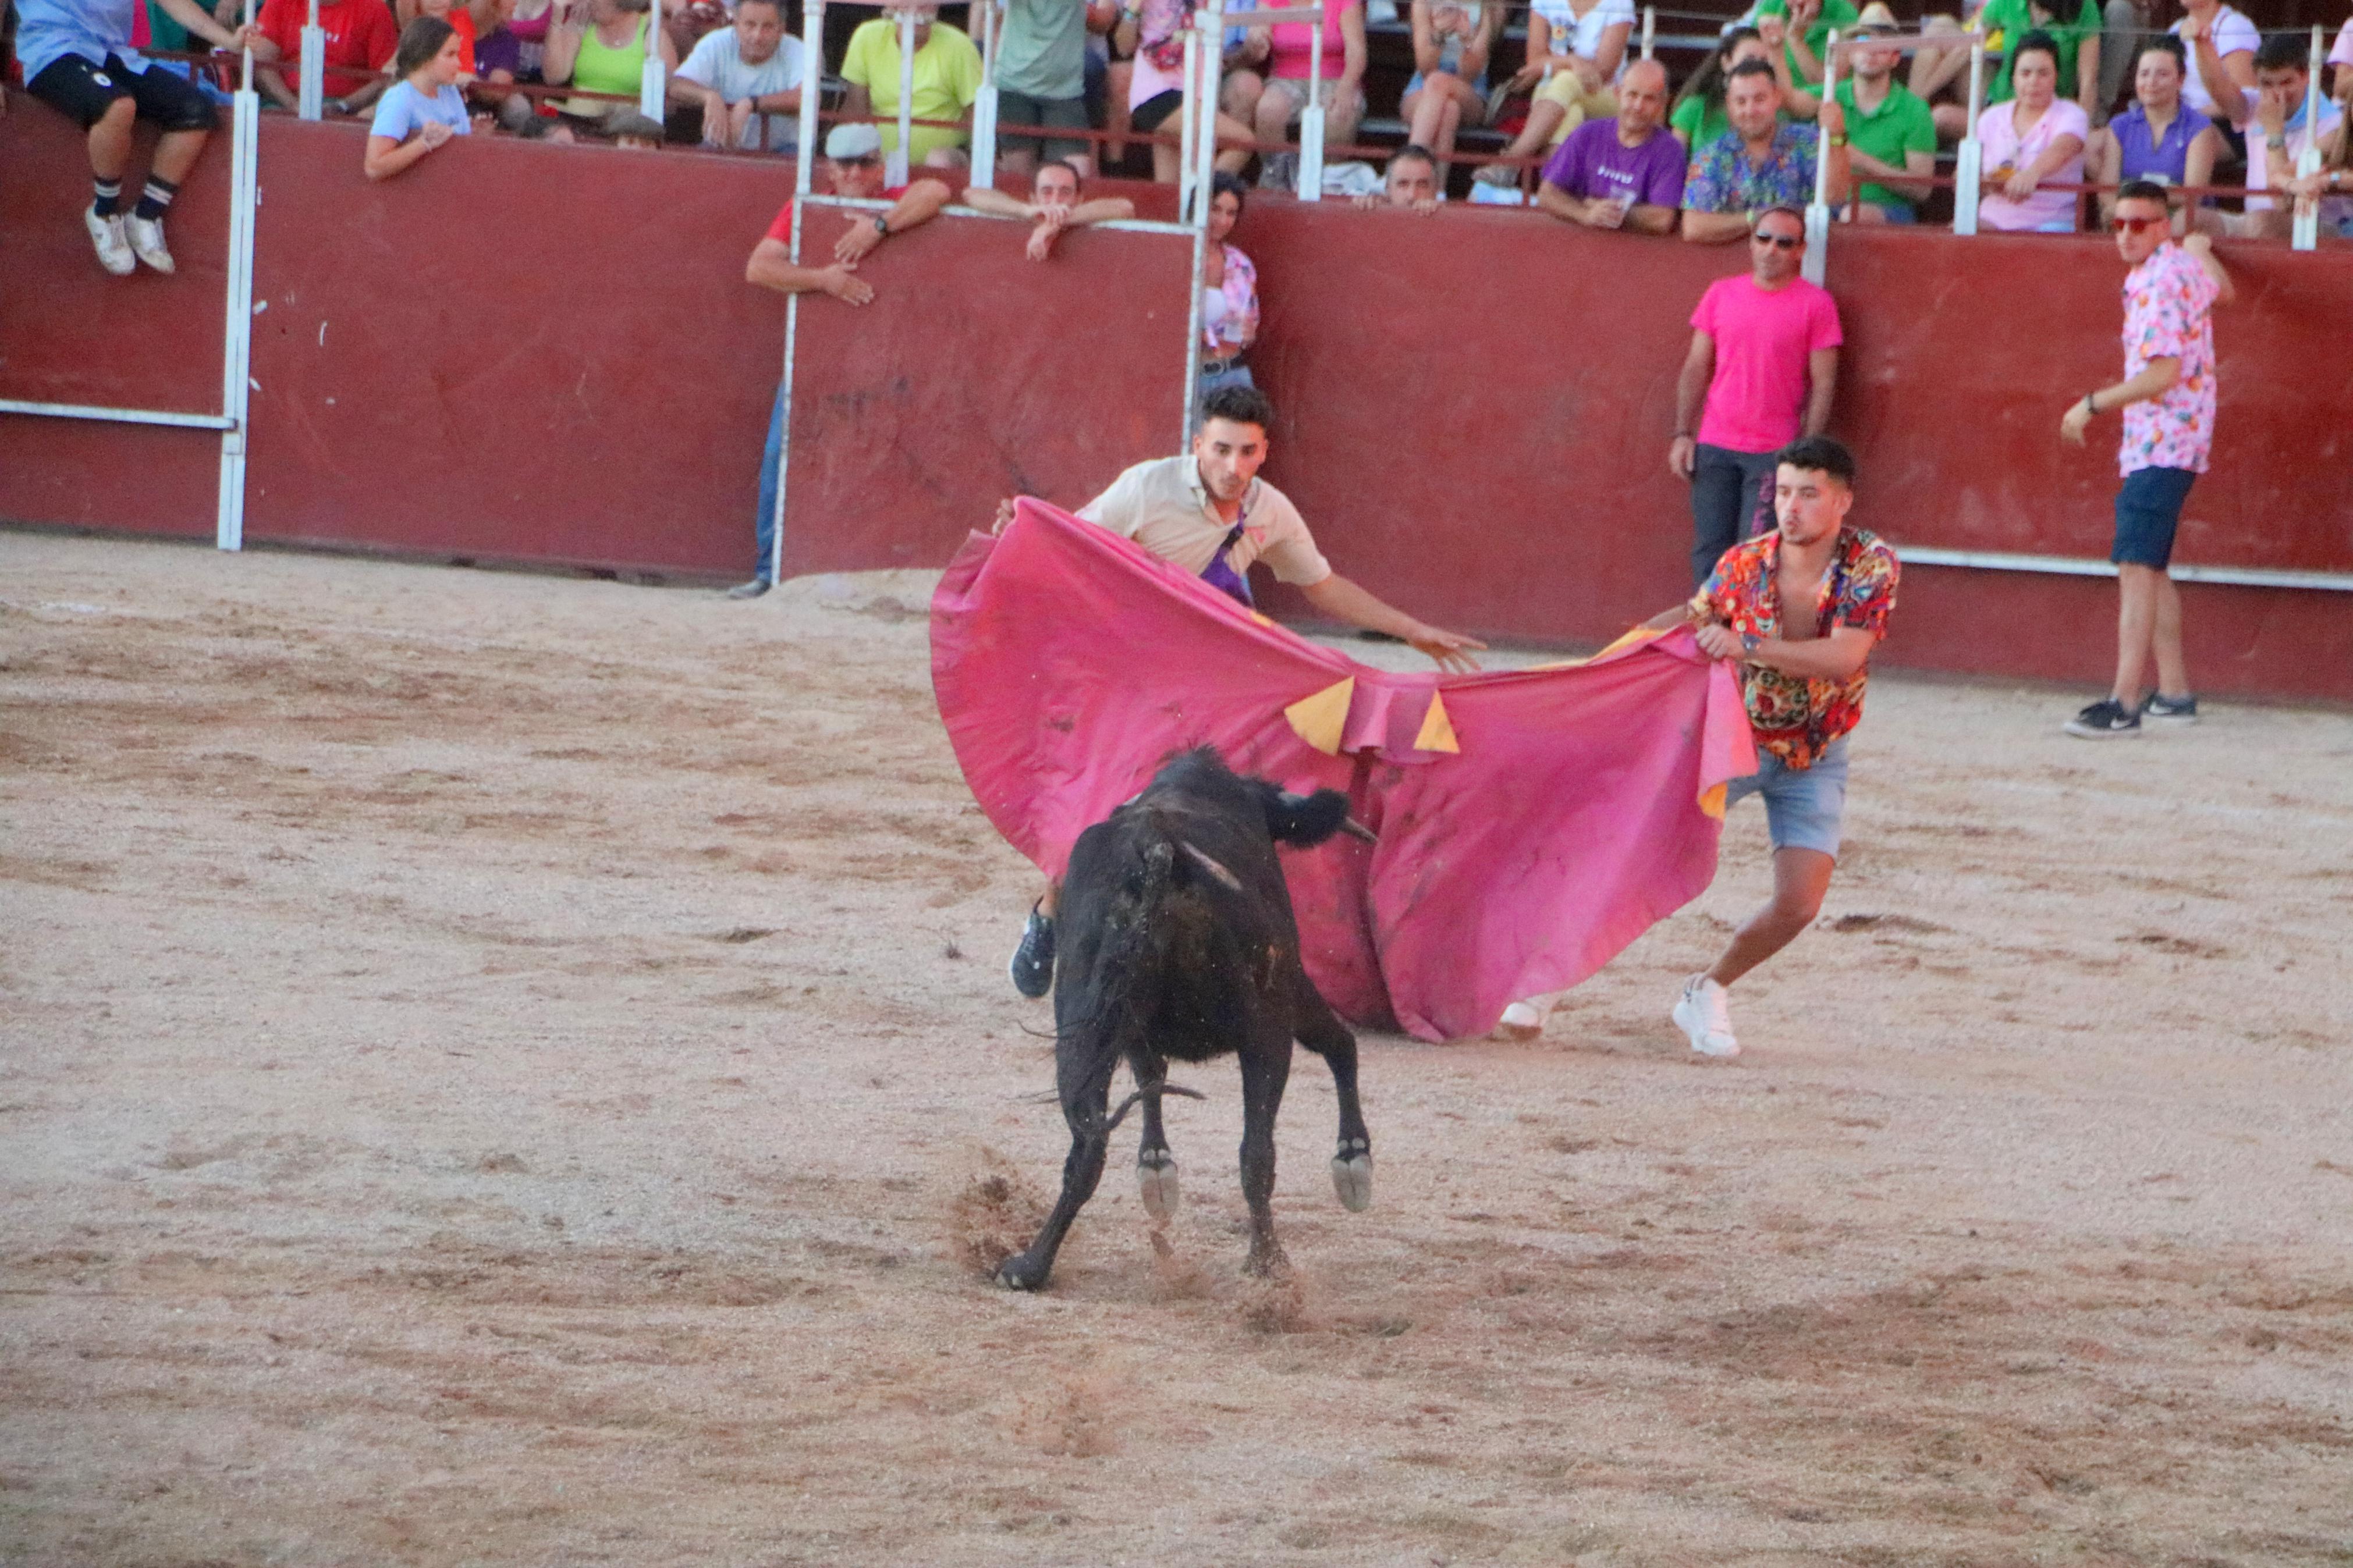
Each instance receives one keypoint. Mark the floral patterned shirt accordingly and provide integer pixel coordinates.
(1723, 180)
(1794, 718)
(2169, 314)
(1238, 328)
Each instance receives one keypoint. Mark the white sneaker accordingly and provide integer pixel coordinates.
(1522, 1021)
(147, 243)
(114, 249)
(1706, 1015)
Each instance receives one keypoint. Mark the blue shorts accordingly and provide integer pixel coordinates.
(1804, 808)
(2148, 507)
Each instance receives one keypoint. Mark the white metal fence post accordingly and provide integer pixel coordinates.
(236, 312)
(991, 15)
(903, 156)
(1968, 165)
(1818, 211)
(812, 93)
(1309, 188)
(1650, 30)
(311, 97)
(2305, 235)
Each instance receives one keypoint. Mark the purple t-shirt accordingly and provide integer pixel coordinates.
(1593, 163)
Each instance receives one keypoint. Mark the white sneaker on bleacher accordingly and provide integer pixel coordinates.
(147, 243)
(113, 247)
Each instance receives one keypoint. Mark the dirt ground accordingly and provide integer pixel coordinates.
(503, 1069)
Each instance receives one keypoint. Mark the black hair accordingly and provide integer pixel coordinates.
(419, 42)
(1746, 67)
(1414, 151)
(1819, 455)
(1241, 404)
(1225, 184)
(2144, 191)
(2164, 44)
(2037, 39)
(1706, 83)
(2282, 51)
(779, 5)
(1078, 180)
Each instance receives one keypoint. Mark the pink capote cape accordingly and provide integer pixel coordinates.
(1532, 823)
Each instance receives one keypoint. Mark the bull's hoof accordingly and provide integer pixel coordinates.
(1352, 1178)
(1022, 1272)
(1156, 1175)
(1267, 1261)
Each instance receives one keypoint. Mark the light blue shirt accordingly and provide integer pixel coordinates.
(403, 111)
(49, 30)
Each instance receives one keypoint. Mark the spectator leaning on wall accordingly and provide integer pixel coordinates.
(1761, 162)
(2279, 133)
(2036, 137)
(744, 74)
(1410, 183)
(1761, 371)
(853, 167)
(361, 39)
(1626, 172)
(1052, 208)
(2167, 396)
(78, 60)
(424, 109)
(946, 78)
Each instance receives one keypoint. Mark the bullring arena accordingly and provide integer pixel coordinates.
(511, 1069)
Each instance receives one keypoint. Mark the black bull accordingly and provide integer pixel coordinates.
(1178, 940)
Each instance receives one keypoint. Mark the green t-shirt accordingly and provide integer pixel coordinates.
(1700, 122)
(2004, 22)
(1839, 14)
(164, 32)
(1901, 125)
(1042, 52)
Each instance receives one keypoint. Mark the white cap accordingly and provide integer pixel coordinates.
(845, 143)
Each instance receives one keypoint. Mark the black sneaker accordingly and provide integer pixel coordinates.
(2104, 720)
(1033, 961)
(2167, 710)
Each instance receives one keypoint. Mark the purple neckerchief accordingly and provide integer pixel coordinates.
(1219, 573)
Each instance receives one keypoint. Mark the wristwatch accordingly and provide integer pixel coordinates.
(881, 226)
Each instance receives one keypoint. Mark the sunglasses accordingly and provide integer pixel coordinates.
(1778, 241)
(2135, 225)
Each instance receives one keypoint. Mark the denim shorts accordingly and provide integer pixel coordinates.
(1803, 806)
(2149, 507)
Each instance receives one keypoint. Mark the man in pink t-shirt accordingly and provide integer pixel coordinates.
(1762, 366)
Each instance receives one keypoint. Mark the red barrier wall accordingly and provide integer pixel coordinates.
(541, 353)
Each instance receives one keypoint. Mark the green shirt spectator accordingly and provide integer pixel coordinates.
(2005, 22)
(1901, 125)
(1839, 14)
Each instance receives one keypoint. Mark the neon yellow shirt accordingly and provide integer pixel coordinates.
(947, 78)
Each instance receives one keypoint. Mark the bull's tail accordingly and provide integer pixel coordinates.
(1127, 962)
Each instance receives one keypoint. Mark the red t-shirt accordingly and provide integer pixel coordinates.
(361, 35)
(461, 22)
(782, 229)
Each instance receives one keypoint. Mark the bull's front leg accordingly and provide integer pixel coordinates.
(1027, 1270)
(1266, 1068)
(1321, 1031)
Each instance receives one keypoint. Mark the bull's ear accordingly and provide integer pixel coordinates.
(1304, 819)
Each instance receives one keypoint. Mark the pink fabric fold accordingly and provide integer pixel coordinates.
(1069, 664)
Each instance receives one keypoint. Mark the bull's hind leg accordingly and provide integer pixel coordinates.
(1155, 1167)
(1321, 1031)
(1266, 1068)
(1080, 1172)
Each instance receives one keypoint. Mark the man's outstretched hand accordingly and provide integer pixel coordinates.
(1451, 650)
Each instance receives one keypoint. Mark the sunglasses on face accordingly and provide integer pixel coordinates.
(1778, 241)
(2135, 225)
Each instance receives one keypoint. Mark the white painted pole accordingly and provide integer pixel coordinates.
(1650, 29)
(1187, 127)
(1311, 118)
(236, 323)
(2306, 233)
(1969, 167)
(653, 89)
(903, 157)
(1212, 83)
(984, 103)
(1818, 211)
(812, 90)
(311, 96)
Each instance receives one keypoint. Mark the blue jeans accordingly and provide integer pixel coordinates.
(1804, 808)
(771, 460)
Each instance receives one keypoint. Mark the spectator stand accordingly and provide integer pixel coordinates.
(237, 332)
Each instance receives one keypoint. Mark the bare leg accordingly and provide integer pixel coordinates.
(1800, 877)
(1117, 78)
(1233, 160)
(1544, 118)
(2136, 629)
(2173, 669)
(1340, 120)
(1018, 164)
(110, 140)
(176, 154)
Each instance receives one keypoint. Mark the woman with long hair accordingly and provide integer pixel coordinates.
(2034, 137)
(2159, 137)
(424, 108)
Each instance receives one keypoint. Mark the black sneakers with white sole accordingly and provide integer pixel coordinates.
(2105, 720)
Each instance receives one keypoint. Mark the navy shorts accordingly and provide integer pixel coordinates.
(84, 92)
(2148, 507)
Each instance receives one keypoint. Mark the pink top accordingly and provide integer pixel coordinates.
(1756, 399)
(2342, 55)
(1997, 135)
(1291, 40)
(2169, 314)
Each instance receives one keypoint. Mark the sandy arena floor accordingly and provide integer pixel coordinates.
(502, 1069)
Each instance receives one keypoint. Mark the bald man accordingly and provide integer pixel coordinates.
(1626, 172)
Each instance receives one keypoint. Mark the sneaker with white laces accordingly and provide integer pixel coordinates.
(2105, 720)
(2162, 710)
(1522, 1021)
(1704, 1013)
(113, 247)
(147, 243)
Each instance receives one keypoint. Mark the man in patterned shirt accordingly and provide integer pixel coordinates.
(2167, 396)
(1802, 676)
(1761, 162)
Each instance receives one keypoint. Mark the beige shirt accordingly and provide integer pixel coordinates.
(1164, 506)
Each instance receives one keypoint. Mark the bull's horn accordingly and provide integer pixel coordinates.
(1356, 829)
